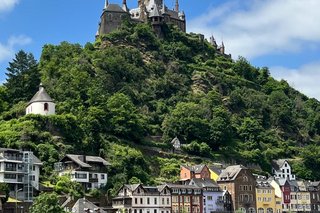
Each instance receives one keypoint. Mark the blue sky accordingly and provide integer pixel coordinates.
(283, 35)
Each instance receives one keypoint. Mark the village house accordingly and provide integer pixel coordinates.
(90, 171)
(265, 197)
(197, 171)
(186, 198)
(241, 184)
(214, 199)
(314, 189)
(281, 169)
(137, 198)
(215, 171)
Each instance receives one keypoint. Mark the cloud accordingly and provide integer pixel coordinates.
(305, 79)
(6, 5)
(7, 50)
(255, 28)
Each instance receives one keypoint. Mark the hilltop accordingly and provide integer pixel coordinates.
(115, 94)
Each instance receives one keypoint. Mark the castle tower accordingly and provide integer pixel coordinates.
(177, 6)
(41, 103)
(106, 3)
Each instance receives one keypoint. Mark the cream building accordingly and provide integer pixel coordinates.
(41, 103)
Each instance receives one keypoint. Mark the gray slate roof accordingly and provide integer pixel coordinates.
(204, 183)
(41, 96)
(93, 159)
(196, 169)
(82, 204)
(114, 8)
(35, 159)
(277, 164)
(155, 12)
(231, 172)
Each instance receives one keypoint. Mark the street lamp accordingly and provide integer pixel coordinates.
(17, 190)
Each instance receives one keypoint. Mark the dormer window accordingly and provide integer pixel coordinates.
(46, 107)
(285, 165)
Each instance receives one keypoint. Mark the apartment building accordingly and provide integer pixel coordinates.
(21, 171)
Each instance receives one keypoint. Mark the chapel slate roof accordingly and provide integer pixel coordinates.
(41, 96)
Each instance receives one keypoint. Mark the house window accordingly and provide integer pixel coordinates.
(148, 201)
(141, 200)
(136, 200)
(252, 210)
(209, 197)
(155, 201)
(155, 211)
(168, 201)
(102, 176)
(162, 201)
(46, 107)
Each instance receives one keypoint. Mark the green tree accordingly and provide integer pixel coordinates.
(23, 77)
(47, 203)
(66, 186)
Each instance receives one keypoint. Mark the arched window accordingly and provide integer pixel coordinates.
(260, 210)
(46, 107)
(269, 210)
(252, 210)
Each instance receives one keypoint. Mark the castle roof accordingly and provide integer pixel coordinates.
(41, 96)
(154, 11)
(114, 8)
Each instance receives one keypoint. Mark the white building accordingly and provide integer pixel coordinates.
(281, 169)
(41, 103)
(214, 198)
(137, 198)
(90, 171)
(21, 171)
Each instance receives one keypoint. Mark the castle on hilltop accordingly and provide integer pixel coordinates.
(152, 11)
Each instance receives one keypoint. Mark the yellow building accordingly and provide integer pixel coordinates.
(215, 171)
(265, 197)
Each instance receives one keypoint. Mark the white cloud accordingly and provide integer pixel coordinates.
(8, 50)
(260, 27)
(305, 79)
(6, 5)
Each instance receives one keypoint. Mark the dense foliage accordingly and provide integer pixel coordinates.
(113, 95)
(47, 203)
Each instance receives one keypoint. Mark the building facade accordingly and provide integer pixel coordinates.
(281, 169)
(265, 197)
(21, 171)
(214, 198)
(186, 198)
(90, 171)
(41, 103)
(137, 198)
(314, 189)
(241, 184)
(152, 11)
(197, 171)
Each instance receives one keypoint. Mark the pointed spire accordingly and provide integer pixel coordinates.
(124, 5)
(177, 6)
(106, 3)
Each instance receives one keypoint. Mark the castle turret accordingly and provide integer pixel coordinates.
(106, 3)
(213, 42)
(177, 6)
(124, 6)
(41, 103)
(222, 48)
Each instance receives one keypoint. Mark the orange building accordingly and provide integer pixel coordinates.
(197, 171)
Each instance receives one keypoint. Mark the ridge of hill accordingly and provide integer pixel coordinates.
(129, 85)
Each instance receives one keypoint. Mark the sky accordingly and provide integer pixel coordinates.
(283, 35)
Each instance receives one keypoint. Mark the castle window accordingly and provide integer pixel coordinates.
(110, 16)
(46, 107)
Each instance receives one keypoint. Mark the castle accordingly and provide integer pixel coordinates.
(152, 11)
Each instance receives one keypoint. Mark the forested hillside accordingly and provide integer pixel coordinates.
(113, 95)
